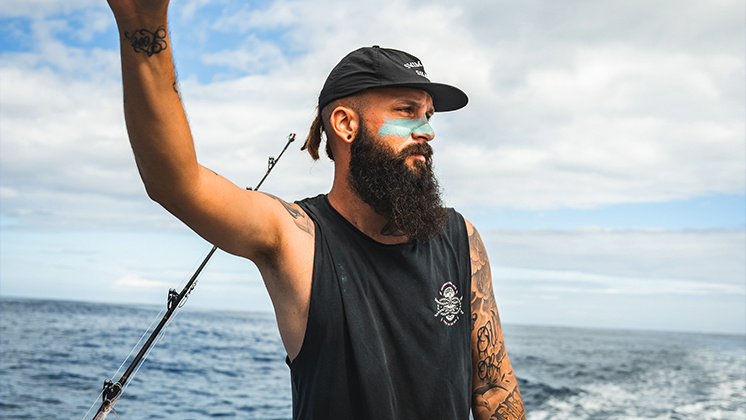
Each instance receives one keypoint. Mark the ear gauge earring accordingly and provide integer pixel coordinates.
(349, 136)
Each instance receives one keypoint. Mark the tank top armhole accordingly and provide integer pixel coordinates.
(307, 337)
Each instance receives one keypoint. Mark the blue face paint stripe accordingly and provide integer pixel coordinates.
(402, 127)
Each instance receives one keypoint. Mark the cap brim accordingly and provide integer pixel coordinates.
(445, 97)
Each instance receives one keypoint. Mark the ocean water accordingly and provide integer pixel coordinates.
(55, 356)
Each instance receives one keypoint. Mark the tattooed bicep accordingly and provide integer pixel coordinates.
(480, 264)
(300, 218)
(482, 298)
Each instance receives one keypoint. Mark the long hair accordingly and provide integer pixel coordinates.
(358, 102)
(315, 133)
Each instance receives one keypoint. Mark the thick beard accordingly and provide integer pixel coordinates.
(409, 198)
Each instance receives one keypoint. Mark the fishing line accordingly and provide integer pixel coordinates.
(100, 395)
(162, 333)
(155, 319)
(158, 316)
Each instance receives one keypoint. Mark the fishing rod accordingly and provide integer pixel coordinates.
(113, 390)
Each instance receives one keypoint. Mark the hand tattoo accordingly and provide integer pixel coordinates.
(149, 42)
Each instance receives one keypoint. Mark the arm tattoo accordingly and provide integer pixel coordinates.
(301, 220)
(490, 350)
(149, 42)
(511, 408)
(491, 356)
(496, 388)
(480, 272)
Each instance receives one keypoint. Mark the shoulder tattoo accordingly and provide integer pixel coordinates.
(301, 220)
(482, 299)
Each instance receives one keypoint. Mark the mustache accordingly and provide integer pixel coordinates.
(423, 149)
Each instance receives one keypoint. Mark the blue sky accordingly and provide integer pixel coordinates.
(602, 155)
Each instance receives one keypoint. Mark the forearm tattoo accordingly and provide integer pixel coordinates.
(142, 40)
(511, 407)
(496, 388)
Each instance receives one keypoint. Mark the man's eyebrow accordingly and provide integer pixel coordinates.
(415, 103)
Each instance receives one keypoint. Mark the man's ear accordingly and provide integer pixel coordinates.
(344, 123)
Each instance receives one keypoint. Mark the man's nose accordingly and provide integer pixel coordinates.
(423, 132)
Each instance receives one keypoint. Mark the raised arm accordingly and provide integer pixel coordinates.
(276, 235)
(244, 223)
(495, 393)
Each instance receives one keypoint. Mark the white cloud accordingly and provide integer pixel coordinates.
(565, 111)
(63, 143)
(710, 259)
(572, 105)
(615, 78)
(129, 282)
(42, 8)
(279, 13)
(255, 56)
(686, 280)
(557, 283)
(8, 193)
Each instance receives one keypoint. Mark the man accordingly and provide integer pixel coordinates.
(367, 282)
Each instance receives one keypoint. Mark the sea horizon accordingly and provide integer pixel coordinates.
(154, 305)
(225, 363)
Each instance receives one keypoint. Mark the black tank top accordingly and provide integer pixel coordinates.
(388, 333)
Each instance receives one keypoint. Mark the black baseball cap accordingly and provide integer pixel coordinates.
(376, 67)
